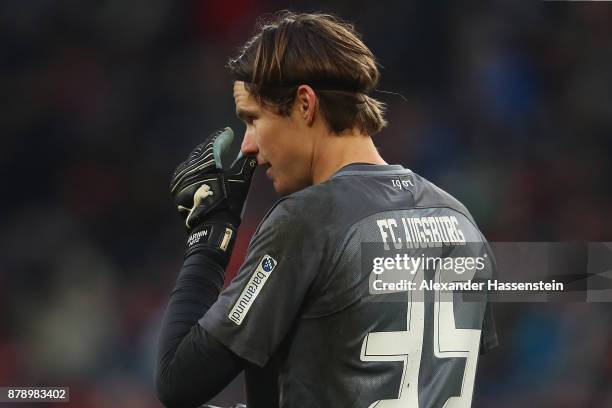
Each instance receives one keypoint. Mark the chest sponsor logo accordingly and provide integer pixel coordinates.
(252, 289)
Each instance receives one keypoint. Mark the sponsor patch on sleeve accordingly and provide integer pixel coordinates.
(252, 289)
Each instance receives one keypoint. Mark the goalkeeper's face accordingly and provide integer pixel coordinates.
(284, 144)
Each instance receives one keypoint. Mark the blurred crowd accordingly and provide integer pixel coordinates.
(508, 106)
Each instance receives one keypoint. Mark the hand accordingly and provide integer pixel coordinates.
(206, 194)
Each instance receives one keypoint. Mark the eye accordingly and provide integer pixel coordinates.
(250, 119)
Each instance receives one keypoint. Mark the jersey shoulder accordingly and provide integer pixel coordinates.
(305, 209)
(428, 194)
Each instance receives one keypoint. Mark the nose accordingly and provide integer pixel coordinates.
(249, 146)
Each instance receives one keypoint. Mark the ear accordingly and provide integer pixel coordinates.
(306, 103)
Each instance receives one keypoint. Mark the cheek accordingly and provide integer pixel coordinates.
(283, 146)
(285, 151)
(269, 138)
(296, 162)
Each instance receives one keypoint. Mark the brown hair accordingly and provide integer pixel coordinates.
(318, 50)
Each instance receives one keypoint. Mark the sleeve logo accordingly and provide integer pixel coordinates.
(252, 289)
(268, 263)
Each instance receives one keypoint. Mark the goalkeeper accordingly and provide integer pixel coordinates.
(300, 317)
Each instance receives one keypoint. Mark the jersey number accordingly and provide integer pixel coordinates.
(406, 346)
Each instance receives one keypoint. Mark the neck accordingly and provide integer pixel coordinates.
(332, 152)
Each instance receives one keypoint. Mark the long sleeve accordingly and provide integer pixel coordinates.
(192, 367)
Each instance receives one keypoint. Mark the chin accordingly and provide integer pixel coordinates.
(284, 189)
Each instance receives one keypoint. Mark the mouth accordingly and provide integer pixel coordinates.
(269, 172)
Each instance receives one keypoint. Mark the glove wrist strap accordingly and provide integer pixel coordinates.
(217, 236)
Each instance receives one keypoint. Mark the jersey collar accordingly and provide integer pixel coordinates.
(368, 168)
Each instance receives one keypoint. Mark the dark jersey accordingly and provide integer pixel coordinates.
(336, 298)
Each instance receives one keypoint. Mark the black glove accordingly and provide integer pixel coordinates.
(211, 200)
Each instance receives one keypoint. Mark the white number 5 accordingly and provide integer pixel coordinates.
(406, 346)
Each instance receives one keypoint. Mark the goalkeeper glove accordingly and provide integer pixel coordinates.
(211, 200)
